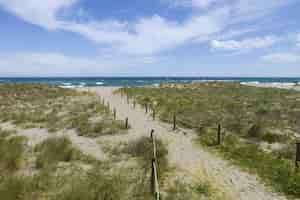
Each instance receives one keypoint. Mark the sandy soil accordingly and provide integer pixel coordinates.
(35, 136)
(185, 155)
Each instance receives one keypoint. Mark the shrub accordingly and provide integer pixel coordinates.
(11, 151)
(143, 148)
(54, 150)
(14, 187)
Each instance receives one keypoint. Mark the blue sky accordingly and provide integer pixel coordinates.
(149, 38)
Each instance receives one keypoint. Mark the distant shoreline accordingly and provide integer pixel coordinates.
(70, 82)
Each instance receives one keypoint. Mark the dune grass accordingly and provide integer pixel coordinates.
(249, 117)
(143, 149)
(55, 108)
(11, 151)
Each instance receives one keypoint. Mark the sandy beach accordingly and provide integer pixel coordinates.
(187, 158)
(183, 153)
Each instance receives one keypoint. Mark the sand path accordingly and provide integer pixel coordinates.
(183, 153)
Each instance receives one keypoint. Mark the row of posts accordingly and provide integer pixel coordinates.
(219, 131)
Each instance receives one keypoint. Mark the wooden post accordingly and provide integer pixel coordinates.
(154, 182)
(174, 122)
(115, 113)
(219, 135)
(153, 114)
(154, 176)
(146, 108)
(297, 155)
(152, 134)
(126, 123)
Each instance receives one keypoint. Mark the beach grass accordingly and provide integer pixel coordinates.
(55, 108)
(259, 125)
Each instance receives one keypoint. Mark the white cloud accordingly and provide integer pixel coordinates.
(151, 35)
(203, 4)
(298, 40)
(38, 12)
(246, 44)
(282, 58)
(51, 64)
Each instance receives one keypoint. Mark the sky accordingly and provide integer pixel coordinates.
(150, 38)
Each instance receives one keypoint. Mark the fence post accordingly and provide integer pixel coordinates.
(297, 155)
(146, 108)
(154, 176)
(219, 135)
(174, 122)
(153, 113)
(108, 105)
(126, 123)
(115, 113)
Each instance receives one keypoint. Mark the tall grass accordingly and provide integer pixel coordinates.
(275, 171)
(249, 116)
(143, 149)
(11, 151)
(54, 150)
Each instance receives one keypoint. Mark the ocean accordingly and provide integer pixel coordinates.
(140, 81)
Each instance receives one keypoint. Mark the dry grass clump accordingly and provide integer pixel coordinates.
(54, 150)
(11, 151)
(143, 149)
(55, 108)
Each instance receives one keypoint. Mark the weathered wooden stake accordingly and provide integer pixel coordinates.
(152, 134)
(115, 113)
(219, 135)
(126, 123)
(297, 155)
(154, 176)
(153, 114)
(154, 180)
(174, 122)
(146, 108)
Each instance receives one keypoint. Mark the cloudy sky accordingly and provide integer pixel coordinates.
(149, 38)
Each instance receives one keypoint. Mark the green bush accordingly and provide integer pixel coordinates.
(280, 173)
(54, 150)
(143, 148)
(16, 187)
(11, 151)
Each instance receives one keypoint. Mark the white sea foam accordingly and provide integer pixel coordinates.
(67, 84)
(99, 83)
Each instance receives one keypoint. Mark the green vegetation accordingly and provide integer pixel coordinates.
(11, 151)
(55, 108)
(143, 149)
(54, 150)
(64, 173)
(252, 120)
(278, 172)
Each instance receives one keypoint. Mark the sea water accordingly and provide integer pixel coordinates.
(70, 82)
